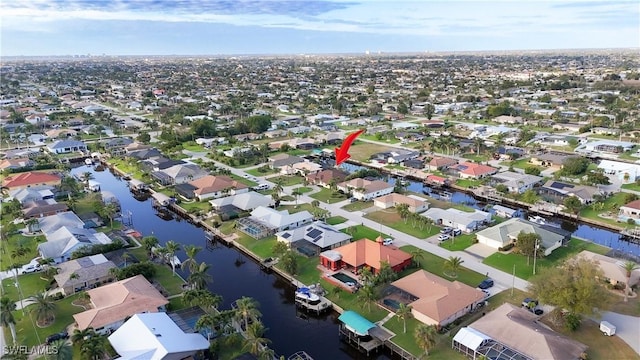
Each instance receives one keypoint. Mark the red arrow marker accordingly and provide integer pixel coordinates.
(342, 153)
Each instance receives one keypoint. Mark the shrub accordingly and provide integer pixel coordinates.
(506, 247)
(572, 321)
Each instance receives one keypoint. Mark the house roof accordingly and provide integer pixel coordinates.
(31, 193)
(38, 207)
(514, 179)
(371, 253)
(66, 144)
(51, 223)
(519, 329)
(15, 163)
(318, 233)
(212, 184)
(456, 216)
(156, 336)
(439, 299)
(612, 268)
(396, 198)
(635, 204)
(87, 268)
(442, 161)
(356, 322)
(278, 219)
(508, 231)
(245, 201)
(475, 169)
(29, 178)
(325, 176)
(116, 301)
(66, 240)
(184, 170)
(368, 185)
(581, 191)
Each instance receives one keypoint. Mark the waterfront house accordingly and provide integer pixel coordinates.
(117, 146)
(15, 164)
(313, 238)
(458, 219)
(159, 163)
(89, 272)
(265, 221)
(500, 235)
(245, 201)
(157, 337)
(612, 269)
(364, 252)
(179, 174)
(630, 210)
(66, 146)
(325, 178)
(551, 160)
(416, 204)
(30, 179)
(516, 182)
(35, 193)
(211, 186)
(41, 208)
(280, 160)
(516, 333)
(301, 168)
(505, 212)
(437, 180)
(49, 224)
(607, 146)
(623, 170)
(114, 303)
(557, 191)
(433, 300)
(469, 170)
(440, 163)
(365, 190)
(63, 242)
(29, 153)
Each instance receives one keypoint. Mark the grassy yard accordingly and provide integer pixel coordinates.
(614, 201)
(358, 205)
(192, 146)
(458, 243)
(30, 243)
(362, 151)
(362, 232)
(30, 284)
(524, 269)
(632, 186)
(335, 220)
(170, 282)
(30, 334)
(128, 167)
(287, 180)
(391, 218)
(242, 180)
(349, 301)
(195, 205)
(257, 172)
(435, 265)
(442, 350)
(392, 140)
(476, 158)
(328, 196)
(467, 183)
(303, 189)
(518, 164)
(300, 207)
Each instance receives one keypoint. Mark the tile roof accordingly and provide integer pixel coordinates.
(371, 253)
(29, 178)
(211, 184)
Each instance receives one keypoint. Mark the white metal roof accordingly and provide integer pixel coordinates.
(470, 338)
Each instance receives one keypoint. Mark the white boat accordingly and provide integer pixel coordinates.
(311, 301)
(88, 161)
(538, 220)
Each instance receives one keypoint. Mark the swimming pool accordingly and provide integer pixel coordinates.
(344, 278)
(394, 304)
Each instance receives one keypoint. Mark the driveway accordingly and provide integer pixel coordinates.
(627, 328)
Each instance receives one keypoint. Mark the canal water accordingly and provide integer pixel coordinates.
(234, 275)
(597, 235)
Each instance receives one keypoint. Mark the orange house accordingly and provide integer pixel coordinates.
(364, 252)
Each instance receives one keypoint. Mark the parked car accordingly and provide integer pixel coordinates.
(443, 237)
(445, 230)
(31, 268)
(532, 305)
(456, 232)
(387, 241)
(485, 284)
(487, 294)
(57, 336)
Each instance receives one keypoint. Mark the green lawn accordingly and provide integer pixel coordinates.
(171, 283)
(328, 196)
(192, 146)
(458, 243)
(362, 232)
(287, 180)
(300, 207)
(242, 180)
(335, 220)
(467, 183)
(524, 270)
(349, 301)
(195, 205)
(358, 205)
(406, 340)
(257, 172)
(435, 265)
(30, 284)
(518, 164)
(632, 186)
(390, 218)
(30, 334)
(615, 200)
(177, 304)
(30, 243)
(476, 158)
(128, 167)
(303, 189)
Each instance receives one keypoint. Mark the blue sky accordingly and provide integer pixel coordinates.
(211, 27)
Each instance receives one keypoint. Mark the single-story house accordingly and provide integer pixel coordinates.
(211, 186)
(516, 182)
(325, 178)
(434, 300)
(36, 193)
(630, 211)
(416, 204)
(608, 146)
(302, 168)
(365, 190)
(245, 201)
(505, 212)
(66, 146)
(364, 252)
(51, 223)
(513, 332)
(64, 241)
(502, 234)
(30, 179)
(179, 174)
(560, 191)
(90, 272)
(41, 208)
(623, 170)
(279, 160)
(14, 164)
(469, 170)
(117, 146)
(316, 236)
(551, 160)
(143, 154)
(458, 219)
(113, 303)
(157, 337)
(440, 163)
(613, 269)
(265, 221)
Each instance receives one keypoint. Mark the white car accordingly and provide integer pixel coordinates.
(31, 268)
(443, 237)
(387, 241)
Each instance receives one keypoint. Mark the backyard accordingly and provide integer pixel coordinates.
(435, 265)
(524, 266)
(458, 243)
(358, 206)
(287, 180)
(610, 205)
(328, 196)
(362, 232)
(391, 218)
(362, 151)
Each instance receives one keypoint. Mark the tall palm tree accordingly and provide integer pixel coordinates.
(63, 351)
(45, 308)
(296, 193)
(125, 256)
(417, 254)
(199, 277)
(629, 267)
(85, 177)
(30, 224)
(7, 306)
(366, 295)
(191, 251)
(246, 308)
(277, 189)
(79, 336)
(94, 348)
(254, 342)
(425, 336)
(172, 247)
(74, 276)
(149, 242)
(403, 313)
(403, 211)
(202, 298)
(453, 263)
(109, 211)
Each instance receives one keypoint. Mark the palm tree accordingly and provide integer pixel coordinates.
(403, 313)
(30, 224)
(254, 340)
(425, 336)
(366, 276)
(336, 290)
(478, 142)
(191, 251)
(45, 308)
(453, 263)
(417, 254)
(403, 211)
(79, 336)
(172, 247)
(7, 306)
(86, 176)
(202, 298)
(199, 277)
(629, 267)
(63, 351)
(296, 193)
(125, 256)
(149, 242)
(366, 295)
(94, 348)
(74, 276)
(278, 189)
(246, 308)
(109, 211)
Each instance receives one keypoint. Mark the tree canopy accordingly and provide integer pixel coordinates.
(527, 242)
(575, 166)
